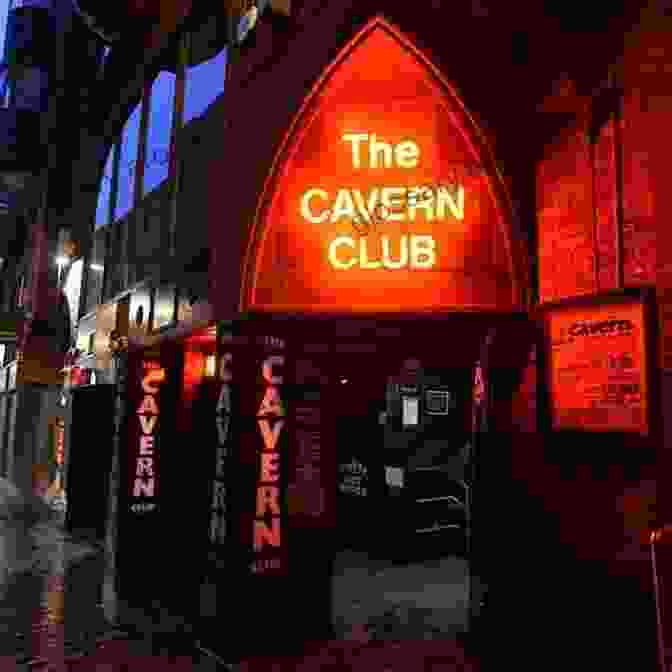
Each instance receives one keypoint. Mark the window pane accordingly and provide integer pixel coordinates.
(94, 286)
(30, 90)
(158, 130)
(3, 24)
(202, 84)
(102, 209)
(127, 161)
(73, 289)
(5, 86)
(17, 4)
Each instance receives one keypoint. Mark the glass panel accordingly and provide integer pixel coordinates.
(5, 84)
(73, 289)
(3, 24)
(102, 209)
(3, 425)
(202, 84)
(17, 4)
(164, 306)
(11, 425)
(158, 131)
(96, 269)
(30, 89)
(127, 164)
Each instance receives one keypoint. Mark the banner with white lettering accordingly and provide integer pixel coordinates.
(146, 379)
(225, 418)
(259, 367)
(147, 483)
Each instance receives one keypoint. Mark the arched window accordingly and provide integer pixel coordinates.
(4, 11)
(104, 193)
(203, 83)
(127, 164)
(160, 121)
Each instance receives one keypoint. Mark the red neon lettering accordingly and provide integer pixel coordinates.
(265, 535)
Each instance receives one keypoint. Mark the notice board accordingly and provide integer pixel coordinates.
(598, 364)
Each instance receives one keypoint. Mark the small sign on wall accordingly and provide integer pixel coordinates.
(597, 367)
(353, 478)
(410, 411)
(164, 306)
(394, 477)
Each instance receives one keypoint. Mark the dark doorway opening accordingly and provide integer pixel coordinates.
(90, 460)
(400, 568)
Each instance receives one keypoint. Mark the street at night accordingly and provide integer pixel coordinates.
(335, 335)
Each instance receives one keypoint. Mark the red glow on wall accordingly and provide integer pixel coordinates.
(339, 229)
(203, 337)
(565, 219)
(193, 373)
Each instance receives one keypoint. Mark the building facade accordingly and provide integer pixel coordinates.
(40, 87)
(259, 226)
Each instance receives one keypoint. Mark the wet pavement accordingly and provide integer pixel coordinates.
(55, 616)
(43, 576)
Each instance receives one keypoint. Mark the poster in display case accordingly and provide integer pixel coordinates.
(599, 359)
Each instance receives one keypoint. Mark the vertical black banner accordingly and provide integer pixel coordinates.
(311, 489)
(310, 466)
(151, 385)
(145, 379)
(269, 538)
(221, 523)
(258, 367)
(270, 493)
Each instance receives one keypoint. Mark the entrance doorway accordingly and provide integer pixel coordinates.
(400, 569)
(370, 431)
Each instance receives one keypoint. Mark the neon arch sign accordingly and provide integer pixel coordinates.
(383, 197)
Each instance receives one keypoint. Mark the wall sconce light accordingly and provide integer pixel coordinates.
(210, 366)
(70, 248)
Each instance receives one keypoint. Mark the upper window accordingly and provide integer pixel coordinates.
(30, 90)
(17, 4)
(104, 193)
(203, 83)
(5, 86)
(127, 164)
(159, 127)
(4, 10)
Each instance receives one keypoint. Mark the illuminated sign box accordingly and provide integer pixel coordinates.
(383, 197)
(598, 358)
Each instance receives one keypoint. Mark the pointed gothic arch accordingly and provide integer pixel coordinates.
(382, 87)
